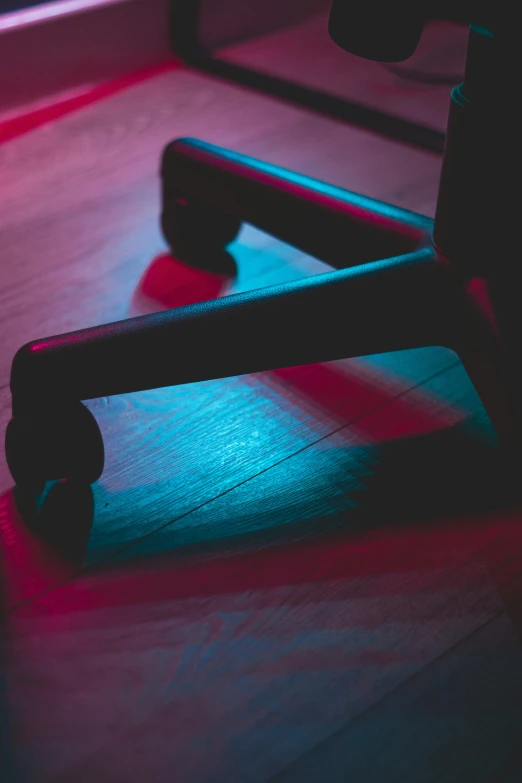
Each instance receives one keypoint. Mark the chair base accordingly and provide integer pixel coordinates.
(393, 289)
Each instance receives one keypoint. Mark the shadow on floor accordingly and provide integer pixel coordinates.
(168, 282)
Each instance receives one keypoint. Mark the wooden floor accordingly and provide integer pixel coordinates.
(305, 575)
(305, 55)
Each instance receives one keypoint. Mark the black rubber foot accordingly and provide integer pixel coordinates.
(195, 232)
(63, 443)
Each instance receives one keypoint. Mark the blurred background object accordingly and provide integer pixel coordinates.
(280, 47)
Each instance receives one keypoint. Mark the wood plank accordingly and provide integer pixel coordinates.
(226, 683)
(427, 455)
(190, 444)
(268, 557)
(459, 719)
(261, 623)
(81, 197)
(83, 257)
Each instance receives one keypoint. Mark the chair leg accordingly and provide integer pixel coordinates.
(387, 305)
(402, 302)
(225, 188)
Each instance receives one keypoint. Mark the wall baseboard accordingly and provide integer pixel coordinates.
(60, 46)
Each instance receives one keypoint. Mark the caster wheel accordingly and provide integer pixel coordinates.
(57, 444)
(195, 231)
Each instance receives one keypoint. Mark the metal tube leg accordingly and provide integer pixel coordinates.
(398, 303)
(335, 225)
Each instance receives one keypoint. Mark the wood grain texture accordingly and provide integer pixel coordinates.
(268, 623)
(480, 727)
(228, 684)
(268, 561)
(93, 253)
(81, 197)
